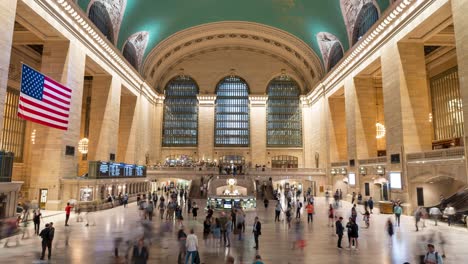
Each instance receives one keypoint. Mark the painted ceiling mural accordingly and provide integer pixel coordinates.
(309, 20)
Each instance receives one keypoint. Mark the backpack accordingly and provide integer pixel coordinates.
(436, 256)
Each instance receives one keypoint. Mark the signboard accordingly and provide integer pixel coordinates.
(104, 169)
(352, 178)
(395, 180)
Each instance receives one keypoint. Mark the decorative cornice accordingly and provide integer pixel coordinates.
(258, 100)
(78, 24)
(372, 40)
(206, 99)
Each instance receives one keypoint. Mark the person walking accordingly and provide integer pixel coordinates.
(310, 212)
(397, 210)
(435, 213)
(125, 201)
(195, 210)
(192, 247)
(298, 209)
(258, 260)
(370, 203)
(432, 256)
(149, 210)
(37, 221)
(257, 231)
(354, 235)
(140, 253)
(449, 211)
(240, 223)
(222, 222)
(339, 231)
(354, 213)
(182, 238)
(389, 228)
(47, 235)
(331, 215)
(228, 231)
(417, 217)
(67, 213)
(278, 210)
(162, 207)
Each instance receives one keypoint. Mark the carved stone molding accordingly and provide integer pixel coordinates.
(326, 41)
(116, 10)
(350, 10)
(234, 33)
(140, 41)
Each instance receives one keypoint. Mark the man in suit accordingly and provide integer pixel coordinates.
(257, 231)
(339, 231)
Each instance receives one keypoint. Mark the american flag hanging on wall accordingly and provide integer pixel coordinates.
(43, 100)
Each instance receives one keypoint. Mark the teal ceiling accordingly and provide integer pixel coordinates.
(302, 18)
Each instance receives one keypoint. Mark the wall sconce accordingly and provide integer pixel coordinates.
(333, 171)
(33, 136)
(344, 171)
(83, 146)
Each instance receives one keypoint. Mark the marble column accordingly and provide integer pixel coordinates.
(460, 23)
(104, 117)
(126, 146)
(64, 62)
(258, 131)
(406, 105)
(206, 116)
(7, 20)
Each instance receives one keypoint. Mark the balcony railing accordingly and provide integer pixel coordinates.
(440, 154)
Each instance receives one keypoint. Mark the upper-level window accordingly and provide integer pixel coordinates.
(336, 54)
(284, 161)
(13, 133)
(284, 119)
(130, 54)
(232, 113)
(366, 18)
(180, 126)
(100, 17)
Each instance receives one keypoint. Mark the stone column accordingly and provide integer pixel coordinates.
(158, 127)
(406, 104)
(104, 117)
(206, 116)
(65, 63)
(7, 20)
(337, 129)
(126, 146)
(308, 134)
(258, 132)
(460, 23)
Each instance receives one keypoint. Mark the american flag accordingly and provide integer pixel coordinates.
(43, 100)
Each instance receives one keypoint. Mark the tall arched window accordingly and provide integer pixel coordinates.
(130, 54)
(336, 54)
(232, 113)
(100, 17)
(180, 127)
(366, 18)
(284, 118)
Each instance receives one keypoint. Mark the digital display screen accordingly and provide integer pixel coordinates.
(140, 171)
(395, 180)
(114, 169)
(227, 204)
(103, 169)
(129, 170)
(352, 179)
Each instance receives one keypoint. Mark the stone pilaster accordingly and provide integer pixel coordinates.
(104, 117)
(337, 129)
(460, 23)
(7, 20)
(258, 132)
(127, 129)
(206, 116)
(158, 127)
(65, 63)
(406, 105)
(307, 134)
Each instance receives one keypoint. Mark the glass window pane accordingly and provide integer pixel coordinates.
(232, 113)
(180, 127)
(284, 116)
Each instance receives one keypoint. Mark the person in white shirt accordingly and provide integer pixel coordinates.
(435, 214)
(449, 212)
(432, 256)
(192, 247)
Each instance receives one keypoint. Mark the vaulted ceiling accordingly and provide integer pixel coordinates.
(146, 23)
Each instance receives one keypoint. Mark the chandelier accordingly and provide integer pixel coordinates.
(380, 129)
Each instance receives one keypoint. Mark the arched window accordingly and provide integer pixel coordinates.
(100, 17)
(284, 161)
(366, 18)
(130, 54)
(336, 53)
(232, 113)
(284, 119)
(180, 127)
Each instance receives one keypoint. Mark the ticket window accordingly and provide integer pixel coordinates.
(43, 198)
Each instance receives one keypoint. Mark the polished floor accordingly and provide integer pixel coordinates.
(94, 244)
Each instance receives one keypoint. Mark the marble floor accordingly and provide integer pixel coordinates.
(94, 244)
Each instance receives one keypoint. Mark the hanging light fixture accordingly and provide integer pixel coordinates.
(83, 146)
